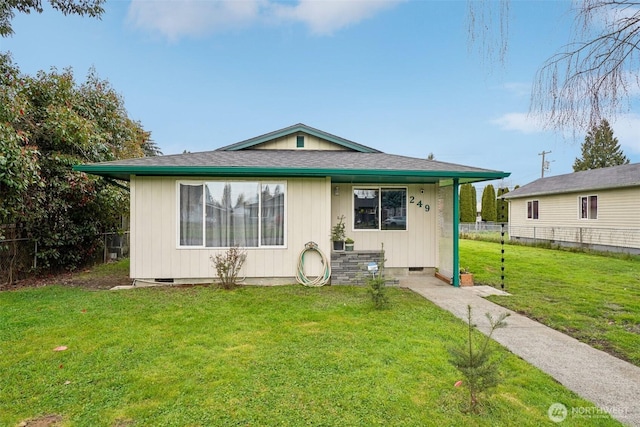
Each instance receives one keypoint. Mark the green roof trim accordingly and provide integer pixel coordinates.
(338, 175)
(300, 127)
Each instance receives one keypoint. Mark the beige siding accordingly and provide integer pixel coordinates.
(154, 247)
(618, 222)
(414, 247)
(289, 142)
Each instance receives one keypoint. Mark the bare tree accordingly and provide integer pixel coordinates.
(591, 77)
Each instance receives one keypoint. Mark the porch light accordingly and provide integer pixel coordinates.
(336, 191)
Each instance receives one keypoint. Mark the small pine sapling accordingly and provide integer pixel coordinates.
(478, 364)
(377, 286)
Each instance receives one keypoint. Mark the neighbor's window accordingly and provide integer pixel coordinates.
(379, 208)
(532, 209)
(300, 141)
(588, 207)
(239, 213)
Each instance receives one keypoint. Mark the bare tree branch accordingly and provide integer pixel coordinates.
(592, 77)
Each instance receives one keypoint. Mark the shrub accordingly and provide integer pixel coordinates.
(228, 266)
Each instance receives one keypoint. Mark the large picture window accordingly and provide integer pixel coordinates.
(222, 214)
(379, 208)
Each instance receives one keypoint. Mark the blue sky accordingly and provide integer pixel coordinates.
(400, 76)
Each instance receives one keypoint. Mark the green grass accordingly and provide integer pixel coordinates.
(592, 297)
(286, 356)
(119, 268)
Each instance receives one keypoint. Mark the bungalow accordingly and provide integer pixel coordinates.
(596, 209)
(274, 193)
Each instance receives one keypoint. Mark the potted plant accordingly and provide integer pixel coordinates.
(338, 234)
(466, 277)
(348, 244)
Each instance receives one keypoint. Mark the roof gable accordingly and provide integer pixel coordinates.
(589, 180)
(262, 140)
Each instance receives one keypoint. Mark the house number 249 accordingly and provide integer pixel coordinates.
(412, 199)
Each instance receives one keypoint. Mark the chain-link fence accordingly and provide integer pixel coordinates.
(480, 227)
(624, 240)
(19, 256)
(17, 259)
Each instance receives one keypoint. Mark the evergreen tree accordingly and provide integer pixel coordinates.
(489, 203)
(502, 206)
(600, 149)
(467, 206)
(474, 202)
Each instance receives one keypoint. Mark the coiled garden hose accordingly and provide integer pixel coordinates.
(322, 279)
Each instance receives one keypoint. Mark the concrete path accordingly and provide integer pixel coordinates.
(610, 383)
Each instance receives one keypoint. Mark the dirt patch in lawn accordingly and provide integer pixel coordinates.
(44, 421)
(81, 279)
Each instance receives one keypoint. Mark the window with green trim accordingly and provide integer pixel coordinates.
(300, 141)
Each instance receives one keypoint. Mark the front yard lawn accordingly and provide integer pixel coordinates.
(255, 356)
(594, 298)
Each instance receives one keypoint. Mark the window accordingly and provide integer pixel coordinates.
(378, 208)
(532, 209)
(222, 214)
(300, 141)
(588, 207)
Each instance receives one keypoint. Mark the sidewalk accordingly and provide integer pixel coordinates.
(608, 382)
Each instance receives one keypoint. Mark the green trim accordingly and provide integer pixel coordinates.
(456, 234)
(340, 175)
(300, 141)
(295, 129)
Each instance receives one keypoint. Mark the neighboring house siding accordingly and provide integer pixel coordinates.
(154, 249)
(617, 224)
(414, 247)
(290, 143)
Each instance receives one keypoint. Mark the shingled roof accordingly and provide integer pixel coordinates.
(357, 164)
(590, 180)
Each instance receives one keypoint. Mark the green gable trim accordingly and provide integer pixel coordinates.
(249, 143)
(337, 175)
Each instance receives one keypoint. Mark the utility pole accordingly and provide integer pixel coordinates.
(545, 165)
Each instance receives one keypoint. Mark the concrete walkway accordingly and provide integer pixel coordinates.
(610, 383)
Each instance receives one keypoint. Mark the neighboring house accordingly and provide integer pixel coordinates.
(596, 209)
(274, 193)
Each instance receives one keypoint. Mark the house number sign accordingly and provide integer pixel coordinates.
(412, 200)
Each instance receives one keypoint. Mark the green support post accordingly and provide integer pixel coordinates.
(456, 226)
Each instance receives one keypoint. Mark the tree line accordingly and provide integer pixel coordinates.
(493, 208)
